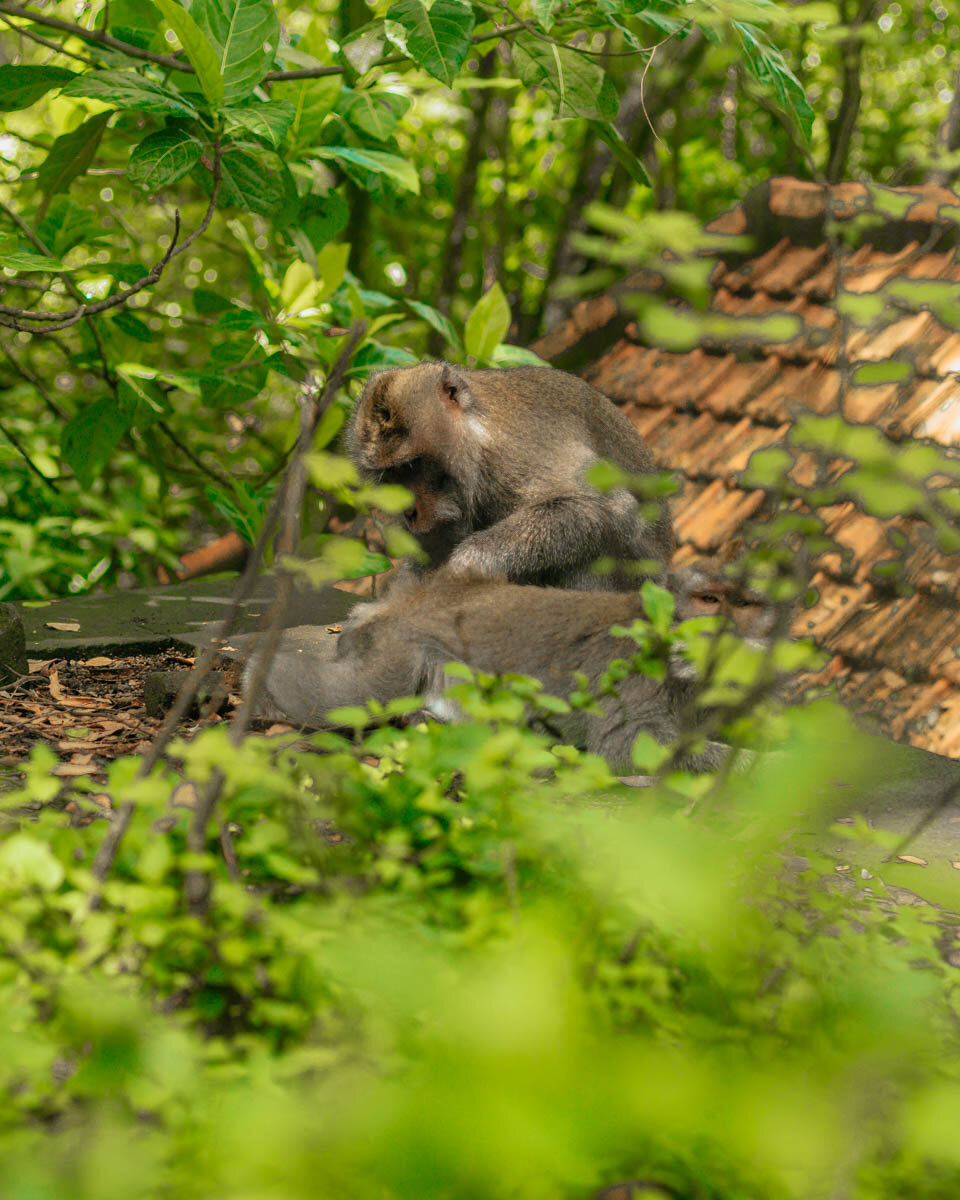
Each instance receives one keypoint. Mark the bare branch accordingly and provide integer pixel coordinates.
(42, 41)
(50, 322)
(96, 36)
(63, 320)
(290, 496)
(18, 446)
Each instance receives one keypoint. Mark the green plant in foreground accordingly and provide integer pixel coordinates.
(477, 968)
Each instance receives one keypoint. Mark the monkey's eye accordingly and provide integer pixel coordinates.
(709, 598)
(451, 390)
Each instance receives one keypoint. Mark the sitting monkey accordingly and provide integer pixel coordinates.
(495, 460)
(501, 628)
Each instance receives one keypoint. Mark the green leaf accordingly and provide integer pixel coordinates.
(163, 158)
(635, 167)
(313, 101)
(89, 438)
(579, 87)
(363, 47)
(141, 399)
(323, 217)
(21, 258)
(506, 355)
(252, 178)
(392, 166)
(21, 86)
(768, 66)
(544, 11)
(132, 326)
(487, 324)
(269, 120)
(69, 156)
(437, 38)
(26, 862)
(134, 21)
(209, 303)
(245, 35)
(436, 320)
(658, 604)
(127, 89)
(647, 753)
(199, 50)
(374, 112)
(67, 224)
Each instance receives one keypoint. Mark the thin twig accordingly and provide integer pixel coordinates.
(197, 883)
(42, 41)
(545, 37)
(209, 472)
(643, 80)
(172, 63)
(18, 446)
(97, 36)
(26, 374)
(292, 492)
(68, 317)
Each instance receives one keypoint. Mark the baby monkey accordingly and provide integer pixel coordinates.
(496, 461)
(502, 628)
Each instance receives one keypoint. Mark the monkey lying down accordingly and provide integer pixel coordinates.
(501, 628)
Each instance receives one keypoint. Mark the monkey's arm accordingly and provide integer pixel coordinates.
(550, 536)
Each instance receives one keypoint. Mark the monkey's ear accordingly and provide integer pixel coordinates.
(453, 388)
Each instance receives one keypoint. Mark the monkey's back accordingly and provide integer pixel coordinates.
(504, 628)
(546, 406)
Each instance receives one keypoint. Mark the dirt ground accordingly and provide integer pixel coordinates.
(88, 711)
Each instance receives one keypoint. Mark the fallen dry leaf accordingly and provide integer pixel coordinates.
(78, 744)
(184, 796)
(102, 799)
(911, 858)
(955, 865)
(35, 665)
(58, 694)
(279, 727)
(332, 628)
(70, 770)
(100, 661)
(63, 626)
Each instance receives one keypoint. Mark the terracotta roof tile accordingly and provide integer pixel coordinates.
(704, 413)
(748, 275)
(940, 418)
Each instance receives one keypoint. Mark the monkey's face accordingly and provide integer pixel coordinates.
(707, 594)
(406, 414)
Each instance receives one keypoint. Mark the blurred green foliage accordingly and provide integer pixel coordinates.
(477, 968)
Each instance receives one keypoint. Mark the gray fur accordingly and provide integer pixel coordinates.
(506, 451)
(501, 628)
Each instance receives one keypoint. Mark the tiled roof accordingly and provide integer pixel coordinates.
(895, 647)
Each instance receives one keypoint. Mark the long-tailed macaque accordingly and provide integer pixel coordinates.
(506, 451)
(501, 628)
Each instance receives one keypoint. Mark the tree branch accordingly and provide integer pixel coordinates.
(948, 140)
(18, 446)
(42, 41)
(841, 128)
(12, 318)
(96, 36)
